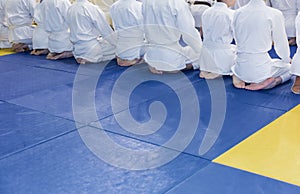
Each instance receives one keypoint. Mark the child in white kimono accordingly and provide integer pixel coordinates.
(91, 35)
(197, 9)
(127, 20)
(105, 7)
(165, 23)
(295, 70)
(55, 14)
(4, 42)
(19, 14)
(289, 9)
(256, 26)
(40, 36)
(240, 3)
(218, 36)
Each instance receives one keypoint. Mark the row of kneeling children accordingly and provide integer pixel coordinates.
(163, 34)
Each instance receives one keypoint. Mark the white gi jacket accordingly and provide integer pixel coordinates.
(127, 20)
(240, 3)
(290, 9)
(4, 43)
(40, 36)
(296, 59)
(105, 7)
(165, 22)
(218, 36)
(87, 23)
(19, 15)
(255, 27)
(197, 11)
(56, 25)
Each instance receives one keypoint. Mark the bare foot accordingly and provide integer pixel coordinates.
(203, 74)
(50, 55)
(20, 47)
(155, 71)
(267, 84)
(20, 50)
(209, 75)
(82, 61)
(55, 56)
(33, 52)
(126, 63)
(78, 60)
(17, 45)
(65, 54)
(277, 81)
(237, 82)
(296, 86)
(41, 52)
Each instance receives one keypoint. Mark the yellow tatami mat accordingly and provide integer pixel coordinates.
(273, 151)
(6, 51)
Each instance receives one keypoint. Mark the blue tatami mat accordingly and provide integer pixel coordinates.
(50, 98)
(280, 97)
(240, 121)
(65, 165)
(10, 66)
(21, 128)
(218, 179)
(25, 59)
(28, 80)
(52, 114)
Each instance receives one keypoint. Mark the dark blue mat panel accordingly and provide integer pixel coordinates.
(21, 128)
(254, 118)
(65, 165)
(280, 97)
(56, 101)
(10, 66)
(25, 59)
(245, 117)
(48, 100)
(41, 150)
(28, 80)
(216, 178)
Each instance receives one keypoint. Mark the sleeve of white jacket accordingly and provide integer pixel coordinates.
(63, 8)
(186, 24)
(31, 6)
(104, 28)
(281, 44)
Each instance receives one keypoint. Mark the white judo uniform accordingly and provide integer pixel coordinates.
(40, 36)
(218, 36)
(197, 11)
(91, 35)
(289, 9)
(296, 59)
(240, 3)
(19, 14)
(165, 22)
(127, 20)
(255, 27)
(4, 42)
(105, 7)
(56, 25)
